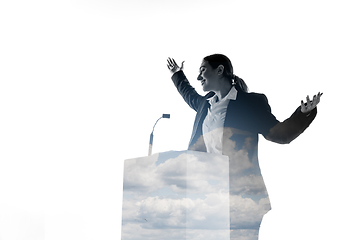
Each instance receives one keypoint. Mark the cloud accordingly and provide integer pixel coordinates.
(140, 176)
(244, 170)
(195, 215)
(193, 173)
(188, 173)
(244, 234)
(245, 213)
(189, 191)
(247, 185)
(134, 232)
(167, 215)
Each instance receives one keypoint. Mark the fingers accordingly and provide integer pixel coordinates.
(175, 64)
(172, 65)
(308, 101)
(316, 99)
(310, 105)
(182, 65)
(171, 62)
(303, 108)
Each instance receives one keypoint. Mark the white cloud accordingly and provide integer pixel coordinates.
(191, 193)
(188, 173)
(140, 175)
(165, 215)
(199, 169)
(136, 232)
(154, 216)
(246, 213)
(244, 234)
(249, 185)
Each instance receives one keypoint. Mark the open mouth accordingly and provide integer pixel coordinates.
(202, 82)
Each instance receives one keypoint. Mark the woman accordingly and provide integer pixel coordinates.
(228, 122)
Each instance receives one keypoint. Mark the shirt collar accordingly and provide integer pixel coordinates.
(230, 96)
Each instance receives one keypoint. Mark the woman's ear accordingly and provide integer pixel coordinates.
(220, 69)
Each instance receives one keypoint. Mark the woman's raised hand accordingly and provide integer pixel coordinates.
(173, 67)
(310, 105)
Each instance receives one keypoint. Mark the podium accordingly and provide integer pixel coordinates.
(176, 195)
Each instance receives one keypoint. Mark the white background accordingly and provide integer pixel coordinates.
(83, 82)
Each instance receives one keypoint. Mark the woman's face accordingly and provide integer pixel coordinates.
(208, 77)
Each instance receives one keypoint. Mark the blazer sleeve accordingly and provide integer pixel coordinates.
(264, 119)
(189, 94)
(286, 131)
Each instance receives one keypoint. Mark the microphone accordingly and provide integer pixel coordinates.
(152, 133)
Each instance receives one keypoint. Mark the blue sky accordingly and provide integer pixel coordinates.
(83, 82)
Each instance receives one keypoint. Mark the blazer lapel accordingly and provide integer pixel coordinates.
(199, 119)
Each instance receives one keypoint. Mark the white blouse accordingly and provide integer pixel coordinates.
(213, 125)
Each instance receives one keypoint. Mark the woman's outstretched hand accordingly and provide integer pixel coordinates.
(310, 105)
(173, 67)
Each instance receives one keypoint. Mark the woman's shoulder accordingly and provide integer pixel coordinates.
(253, 96)
(254, 100)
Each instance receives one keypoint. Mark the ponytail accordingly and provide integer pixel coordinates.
(240, 84)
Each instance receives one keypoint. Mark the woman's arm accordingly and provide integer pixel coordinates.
(189, 94)
(286, 131)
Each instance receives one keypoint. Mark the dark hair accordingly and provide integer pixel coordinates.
(219, 59)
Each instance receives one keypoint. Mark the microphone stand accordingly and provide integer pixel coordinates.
(152, 133)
